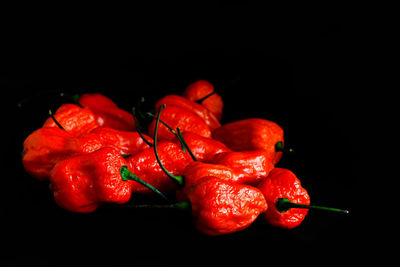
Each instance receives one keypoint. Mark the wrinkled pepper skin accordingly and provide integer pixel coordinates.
(177, 117)
(145, 165)
(203, 148)
(107, 113)
(221, 207)
(282, 183)
(179, 101)
(196, 170)
(250, 167)
(201, 88)
(83, 183)
(251, 134)
(74, 119)
(44, 148)
(128, 142)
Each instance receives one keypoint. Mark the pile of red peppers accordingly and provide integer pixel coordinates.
(93, 152)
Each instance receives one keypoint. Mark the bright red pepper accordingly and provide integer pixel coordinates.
(83, 183)
(200, 89)
(107, 113)
(128, 142)
(193, 107)
(74, 119)
(145, 165)
(47, 146)
(221, 207)
(250, 167)
(177, 117)
(204, 149)
(197, 170)
(282, 183)
(288, 201)
(252, 134)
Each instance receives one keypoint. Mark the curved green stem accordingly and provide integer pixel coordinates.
(183, 141)
(179, 180)
(284, 204)
(128, 175)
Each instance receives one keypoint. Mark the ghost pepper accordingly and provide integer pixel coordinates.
(193, 107)
(83, 183)
(175, 117)
(287, 200)
(204, 149)
(218, 206)
(45, 147)
(107, 113)
(145, 165)
(74, 119)
(201, 89)
(252, 134)
(250, 167)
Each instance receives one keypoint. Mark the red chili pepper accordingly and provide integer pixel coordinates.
(201, 89)
(45, 147)
(107, 113)
(221, 207)
(179, 101)
(218, 206)
(203, 148)
(288, 201)
(250, 167)
(74, 119)
(252, 134)
(197, 170)
(83, 183)
(177, 117)
(145, 165)
(128, 142)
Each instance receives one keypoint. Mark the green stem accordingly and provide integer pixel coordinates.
(169, 128)
(128, 175)
(185, 144)
(179, 180)
(284, 204)
(55, 120)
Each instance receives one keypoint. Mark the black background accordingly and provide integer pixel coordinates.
(297, 69)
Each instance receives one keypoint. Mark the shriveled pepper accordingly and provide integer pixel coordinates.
(107, 113)
(204, 148)
(74, 119)
(83, 183)
(193, 107)
(250, 167)
(252, 134)
(175, 117)
(288, 201)
(201, 89)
